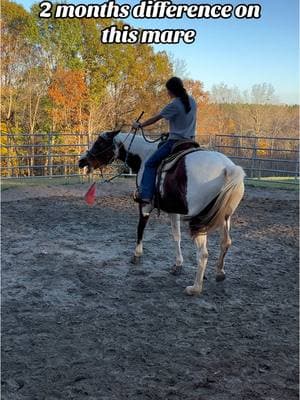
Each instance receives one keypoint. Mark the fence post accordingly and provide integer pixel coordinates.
(50, 171)
(9, 171)
(259, 169)
(297, 168)
(253, 158)
(27, 157)
(212, 140)
(90, 176)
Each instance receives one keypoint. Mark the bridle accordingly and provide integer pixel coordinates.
(95, 155)
(116, 146)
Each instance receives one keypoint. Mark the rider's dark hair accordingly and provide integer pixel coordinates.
(175, 86)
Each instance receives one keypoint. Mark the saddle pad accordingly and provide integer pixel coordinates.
(171, 161)
(165, 167)
(182, 145)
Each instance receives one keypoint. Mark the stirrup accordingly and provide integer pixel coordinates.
(146, 209)
(137, 198)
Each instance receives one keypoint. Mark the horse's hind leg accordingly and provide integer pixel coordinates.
(140, 232)
(202, 255)
(225, 244)
(175, 224)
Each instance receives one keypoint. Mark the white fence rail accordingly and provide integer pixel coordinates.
(49, 155)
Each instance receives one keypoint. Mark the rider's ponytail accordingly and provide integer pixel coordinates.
(175, 86)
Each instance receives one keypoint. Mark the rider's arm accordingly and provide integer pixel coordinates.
(148, 122)
(151, 120)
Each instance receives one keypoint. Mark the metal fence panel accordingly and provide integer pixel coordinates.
(48, 155)
(263, 158)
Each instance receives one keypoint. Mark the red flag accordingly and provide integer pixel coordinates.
(91, 195)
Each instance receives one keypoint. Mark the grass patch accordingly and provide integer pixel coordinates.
(42, 181)
(276, 182)
(46, 181)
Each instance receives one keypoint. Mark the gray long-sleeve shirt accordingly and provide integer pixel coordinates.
(182, 125)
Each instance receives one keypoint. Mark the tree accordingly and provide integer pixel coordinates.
(222, 93)
(60, 40)
(180, 67)
(68, 93)
(17, 28)
(263, 93)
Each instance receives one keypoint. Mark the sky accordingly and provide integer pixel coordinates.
(238, 52)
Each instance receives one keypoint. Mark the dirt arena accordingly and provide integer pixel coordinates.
(80, 322)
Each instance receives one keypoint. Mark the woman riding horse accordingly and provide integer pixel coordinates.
(204, 187)
(181, 114)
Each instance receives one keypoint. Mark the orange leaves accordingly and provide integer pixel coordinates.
(68, 92)
(68, 88)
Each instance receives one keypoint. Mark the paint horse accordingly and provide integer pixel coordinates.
(205, 187)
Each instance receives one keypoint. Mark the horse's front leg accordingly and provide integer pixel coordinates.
(175, 224)
(140, 232)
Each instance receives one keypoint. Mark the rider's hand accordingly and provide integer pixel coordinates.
(136, 125)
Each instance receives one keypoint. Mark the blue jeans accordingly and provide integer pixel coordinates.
(147, 187)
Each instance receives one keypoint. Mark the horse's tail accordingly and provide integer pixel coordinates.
(223, 205)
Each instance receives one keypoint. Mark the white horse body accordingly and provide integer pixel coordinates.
(205, 169)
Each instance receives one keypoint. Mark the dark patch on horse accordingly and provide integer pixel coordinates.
(133, 160)
(195, 223)
(174, 190)
(141, 225)
(101, 153)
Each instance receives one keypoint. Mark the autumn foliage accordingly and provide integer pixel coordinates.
(68, 93)
(58, 77)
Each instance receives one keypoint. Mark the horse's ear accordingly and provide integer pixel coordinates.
(104, 136)
(112, 134)
(109, 135)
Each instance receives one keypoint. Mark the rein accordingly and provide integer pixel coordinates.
(163, 136)
(114, 144)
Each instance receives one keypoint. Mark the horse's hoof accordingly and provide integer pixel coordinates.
(192, 291)
(220, 276)
(176, 270)
(136, 260)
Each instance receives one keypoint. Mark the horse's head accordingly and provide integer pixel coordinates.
(102, 152)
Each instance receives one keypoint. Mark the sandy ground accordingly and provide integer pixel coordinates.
(81, 322)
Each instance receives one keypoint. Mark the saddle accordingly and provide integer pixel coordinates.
(179, 150)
